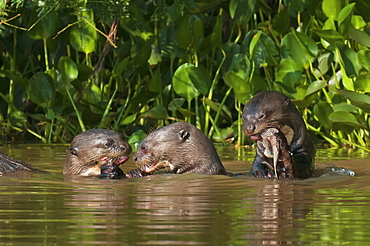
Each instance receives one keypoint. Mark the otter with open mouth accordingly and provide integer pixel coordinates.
(95, 152)
(182, 148)
(272, 109)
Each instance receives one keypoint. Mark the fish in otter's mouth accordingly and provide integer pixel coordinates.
(114, 160)
(154, 166)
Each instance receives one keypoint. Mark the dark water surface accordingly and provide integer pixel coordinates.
(187, 209)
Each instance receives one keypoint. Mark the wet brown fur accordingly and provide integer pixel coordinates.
(273, 109)
(180, 146)
(84, 156)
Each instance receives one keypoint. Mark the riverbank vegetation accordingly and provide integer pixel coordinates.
(131, 66)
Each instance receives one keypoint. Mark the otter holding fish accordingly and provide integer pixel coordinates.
(95, 152)
(288, 149)
(180, 146)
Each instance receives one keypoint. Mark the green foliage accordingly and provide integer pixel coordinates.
(134, 65)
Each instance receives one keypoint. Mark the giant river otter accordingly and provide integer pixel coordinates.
(10, 165)
(180, 146)
(272, 109)
(93, 148)
(96, 152)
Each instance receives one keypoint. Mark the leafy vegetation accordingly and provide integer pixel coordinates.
(134, 65)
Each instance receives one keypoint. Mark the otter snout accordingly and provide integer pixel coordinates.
(135, 157)
(249, 128)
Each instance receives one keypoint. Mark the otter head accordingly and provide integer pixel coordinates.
(180, 146)
(93, 148)
(269, 109)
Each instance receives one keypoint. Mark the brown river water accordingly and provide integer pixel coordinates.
(185, 209)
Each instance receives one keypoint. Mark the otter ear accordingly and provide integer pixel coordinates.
(287, 101)
(183, 135)
(73, 150)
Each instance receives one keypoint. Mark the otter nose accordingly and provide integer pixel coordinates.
(249, 128)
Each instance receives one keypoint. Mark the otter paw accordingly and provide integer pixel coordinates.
(108, 171)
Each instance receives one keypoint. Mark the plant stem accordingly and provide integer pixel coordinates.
(79, 118)
(46, 54)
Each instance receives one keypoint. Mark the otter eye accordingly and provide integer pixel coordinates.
(73, 150)
(144, 148)
(261, 116)
(109, 142)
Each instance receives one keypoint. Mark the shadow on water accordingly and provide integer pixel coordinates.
(187, 209)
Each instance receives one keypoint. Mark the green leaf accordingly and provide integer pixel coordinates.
(321, 110)
(84, 71)
(349, 60)
(95, 98)
(230, 50)
(157, 112)
(360, 37)
(175, 104)
(129, 119)
(281, 21)
(362, 81)
(240, 65)
(300, 48)
(358, 22)
(241, 10)
(358, 99)
(325, 62)
(362, 7)
(190, 32)
(240, 86)
(182, 83)
(45, 27)
(345, 107)
(315, 87)
(238, 76)
(345, 19)
(50, 115)
(167, 43)
(68, 69)
(19, 119)
(83, 36)
(288, 73)
(140, 54)
(136, 23)
(216, 35)
(42, 90)
(344, 117)
(120, 67)
(332, 8)
(331, 36)
(198, 76)
(155, 84)
(298, 5)
(155, 57)
(260, 48)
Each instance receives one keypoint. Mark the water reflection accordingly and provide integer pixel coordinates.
(188, 209)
